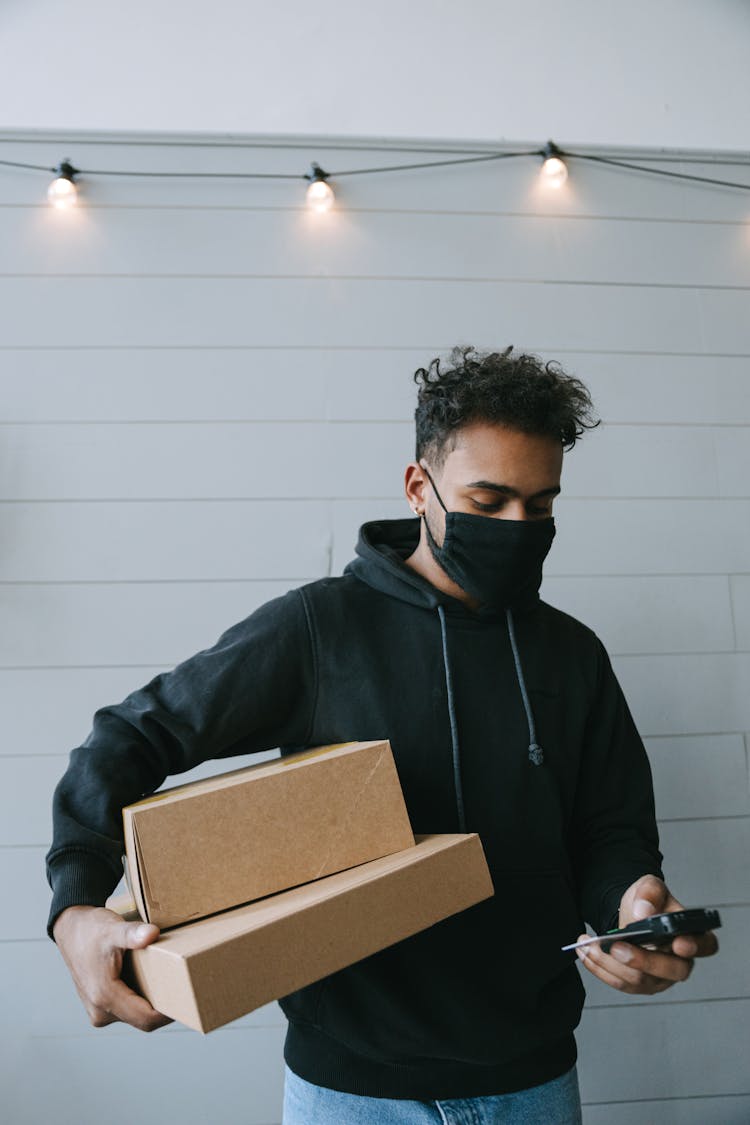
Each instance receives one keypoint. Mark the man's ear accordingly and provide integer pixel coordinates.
(414, 487)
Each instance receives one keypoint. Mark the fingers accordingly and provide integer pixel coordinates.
(655, 963)
(94, 944)
(696, 945)
(644, 971)
(640, 984)
(122, 1003)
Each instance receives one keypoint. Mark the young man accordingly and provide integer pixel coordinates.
(505, 719)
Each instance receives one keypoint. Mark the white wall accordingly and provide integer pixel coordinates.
(600, 72)
(204, 389)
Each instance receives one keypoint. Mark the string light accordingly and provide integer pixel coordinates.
(320, 195)
(62, 192)
(554, 170)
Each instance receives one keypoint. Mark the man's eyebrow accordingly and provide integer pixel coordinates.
(506, 489)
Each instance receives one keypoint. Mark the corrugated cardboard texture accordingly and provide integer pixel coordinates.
(212, 844)
(210, 972)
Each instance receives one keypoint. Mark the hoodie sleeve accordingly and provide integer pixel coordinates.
(253, 690)
(615, 836)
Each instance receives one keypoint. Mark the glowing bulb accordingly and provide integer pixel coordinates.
(62, 192)
(554, 170)
(320, 195)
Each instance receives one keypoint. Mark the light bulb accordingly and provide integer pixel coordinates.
(62, 192)
(320, 195)
(554, 170)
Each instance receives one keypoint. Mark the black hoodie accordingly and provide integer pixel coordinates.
(508, 724)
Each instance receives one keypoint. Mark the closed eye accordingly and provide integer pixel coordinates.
(496, 508)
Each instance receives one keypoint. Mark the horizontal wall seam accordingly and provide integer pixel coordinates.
(660, 577)
(353, 348)
(333, 499)
(619, 656)
(649, 737)
(310, 420)
(673, 1098)
(386, 278)
(165, 139)
(612, 652)
(152, 581)
(449, 212)
(689, 820)
(218, 581)
(668, 1003)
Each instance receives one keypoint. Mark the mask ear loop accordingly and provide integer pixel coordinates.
(434, 487)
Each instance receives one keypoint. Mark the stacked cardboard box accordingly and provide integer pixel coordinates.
(265, 879)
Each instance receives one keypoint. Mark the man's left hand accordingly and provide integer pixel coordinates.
(633, 968)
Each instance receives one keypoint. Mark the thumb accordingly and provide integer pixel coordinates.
(650, 897)
(134, 935)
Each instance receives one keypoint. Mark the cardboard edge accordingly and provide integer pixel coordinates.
(134, 864)
(155, 972)
(124, 905)
(389, 864)
(227, 777)
(163, 977)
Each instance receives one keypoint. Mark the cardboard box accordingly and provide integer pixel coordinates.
(254, 831)
(210, 972)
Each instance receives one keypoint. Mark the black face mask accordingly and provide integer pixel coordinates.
(497, 561)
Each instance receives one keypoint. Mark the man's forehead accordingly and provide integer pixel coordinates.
(488, 448)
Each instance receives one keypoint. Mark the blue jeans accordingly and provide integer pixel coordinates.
(553, 1103)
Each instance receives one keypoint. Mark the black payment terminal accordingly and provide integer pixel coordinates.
(659, 928)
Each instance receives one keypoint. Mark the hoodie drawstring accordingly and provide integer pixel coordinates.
(536, 754)
(454, 725)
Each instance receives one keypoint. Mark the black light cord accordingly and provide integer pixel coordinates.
(187, 175)
(541, 152)
(283, 175)
(18, 164)
(656, 171)
(440, 163)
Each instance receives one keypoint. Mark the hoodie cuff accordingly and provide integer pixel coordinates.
(78, 878)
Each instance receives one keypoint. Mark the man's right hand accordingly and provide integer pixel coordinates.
(92, 940)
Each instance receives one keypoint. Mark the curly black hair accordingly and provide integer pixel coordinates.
(519, 391)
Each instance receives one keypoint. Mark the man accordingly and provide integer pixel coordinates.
(505, 719)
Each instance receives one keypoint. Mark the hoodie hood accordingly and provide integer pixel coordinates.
(382, 548)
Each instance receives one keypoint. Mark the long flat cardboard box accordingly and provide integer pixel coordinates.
(206, 973)
(209, 845)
